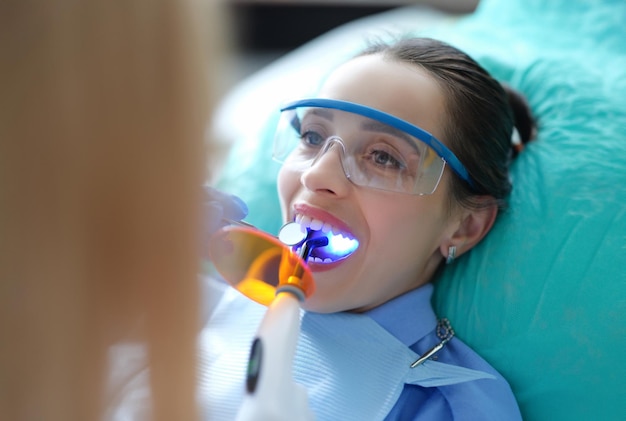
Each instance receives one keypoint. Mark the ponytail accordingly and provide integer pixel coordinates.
(524, 125)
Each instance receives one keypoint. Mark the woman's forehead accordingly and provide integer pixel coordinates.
(400, 89)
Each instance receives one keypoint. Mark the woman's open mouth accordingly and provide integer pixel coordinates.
(340, 244)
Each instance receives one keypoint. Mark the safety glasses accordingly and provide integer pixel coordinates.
(376, 149)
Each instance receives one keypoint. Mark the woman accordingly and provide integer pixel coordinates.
(404, 154)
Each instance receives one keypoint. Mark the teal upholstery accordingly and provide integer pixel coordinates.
(543, 297)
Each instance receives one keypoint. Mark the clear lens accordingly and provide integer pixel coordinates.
(373, 154)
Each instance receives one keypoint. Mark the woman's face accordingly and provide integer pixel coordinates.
(399, 235)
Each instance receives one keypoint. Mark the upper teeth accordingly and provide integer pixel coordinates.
(340, 245)
(316, 225)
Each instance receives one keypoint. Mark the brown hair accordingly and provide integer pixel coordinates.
(481, 114)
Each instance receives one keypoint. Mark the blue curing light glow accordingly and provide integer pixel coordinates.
(335, 247)
(340, 245)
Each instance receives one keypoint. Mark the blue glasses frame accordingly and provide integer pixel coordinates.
(440, 149)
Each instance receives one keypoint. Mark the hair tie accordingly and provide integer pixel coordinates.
(516, 140)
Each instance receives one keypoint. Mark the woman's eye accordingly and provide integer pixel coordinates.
(384, 159)
(312, 138)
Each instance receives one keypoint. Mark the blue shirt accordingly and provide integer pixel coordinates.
(411, 319)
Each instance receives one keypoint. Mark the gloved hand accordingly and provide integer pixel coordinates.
(219, 205)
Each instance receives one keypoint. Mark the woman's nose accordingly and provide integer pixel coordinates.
(326, 173)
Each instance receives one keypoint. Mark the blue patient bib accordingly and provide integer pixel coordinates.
(352, 368)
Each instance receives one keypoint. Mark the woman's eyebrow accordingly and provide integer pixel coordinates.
(322, 112)
(376, 126)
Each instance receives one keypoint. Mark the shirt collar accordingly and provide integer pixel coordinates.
(408, 317)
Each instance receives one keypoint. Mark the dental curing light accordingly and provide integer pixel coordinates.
(267, 271)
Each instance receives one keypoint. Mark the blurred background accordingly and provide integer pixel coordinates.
(264, 30)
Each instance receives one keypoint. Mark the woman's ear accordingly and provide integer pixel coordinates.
(472, 226)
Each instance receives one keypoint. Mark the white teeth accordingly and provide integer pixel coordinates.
(339, 241)
(319, 260)
(340, 244)
(305, 221)
(316, 225)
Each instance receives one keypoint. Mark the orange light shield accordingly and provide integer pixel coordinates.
(257, 264)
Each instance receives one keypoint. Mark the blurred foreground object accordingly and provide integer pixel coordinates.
(103, 112)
